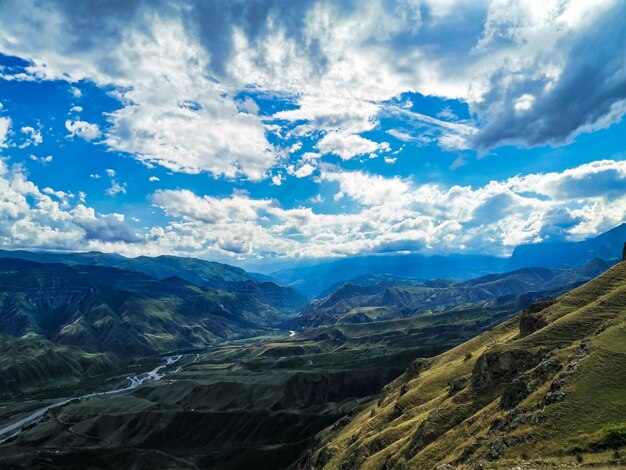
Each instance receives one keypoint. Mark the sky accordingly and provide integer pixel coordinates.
(267, 130)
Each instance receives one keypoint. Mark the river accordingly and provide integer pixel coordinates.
(14, 429)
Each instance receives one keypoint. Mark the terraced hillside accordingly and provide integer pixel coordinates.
(545, 388)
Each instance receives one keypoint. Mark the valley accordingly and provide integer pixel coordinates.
(241, 372)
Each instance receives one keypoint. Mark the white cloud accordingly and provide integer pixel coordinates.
(368, 189)
(154, 179)
(43, 218)
(43, 160)
(277, 179)
(5, 126)
(83, 129)
(347, 146)
(179, 80)
(76, 109)
(304, 171)
(524, 102)
(116, 188)
(33, 137)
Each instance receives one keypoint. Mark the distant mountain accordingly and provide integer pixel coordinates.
(606, 246)
(314, 280)
(199, 272)
(374, 280)
(546, 387)
(369, 302)
(108, 309)
(318, 279)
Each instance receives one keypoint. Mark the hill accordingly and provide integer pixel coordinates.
(369, 299)
(199, 272)
(28, 364)
(547, 387)
(108, 309)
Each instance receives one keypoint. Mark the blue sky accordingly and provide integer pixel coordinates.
(247, 131)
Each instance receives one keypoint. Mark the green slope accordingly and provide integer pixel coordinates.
(540, 388)
(128, 313)
(28, 365)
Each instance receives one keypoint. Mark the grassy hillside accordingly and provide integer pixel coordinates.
(548, 386)
(27, 365)
(128, 313)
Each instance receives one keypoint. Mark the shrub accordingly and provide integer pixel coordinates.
(614, 435)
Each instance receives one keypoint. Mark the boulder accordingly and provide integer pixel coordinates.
(515, 392)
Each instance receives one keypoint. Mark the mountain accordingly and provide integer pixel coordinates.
(196, 271)
(546, 386)
(125, 312)
(570, 254)
(368, 301)
(316, 279)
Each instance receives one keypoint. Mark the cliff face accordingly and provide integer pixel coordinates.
(542, 389)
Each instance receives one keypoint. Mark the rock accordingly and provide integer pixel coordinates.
(341, 423)
(403, 389)
(456, 386)
(624, 252)
(530, 322)
(416, 367)
(547, 368)
(554, 397)
(515, 392)
(445, 466)
(498, 367)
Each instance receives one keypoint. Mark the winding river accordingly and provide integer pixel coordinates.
(14, 429)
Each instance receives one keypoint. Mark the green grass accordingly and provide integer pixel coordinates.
(419, 425)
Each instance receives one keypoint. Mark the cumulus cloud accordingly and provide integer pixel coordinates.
(346, 146)
(31, 217)
(304, 171)
(5, 126)
(33, 137)
(516, 64)
(43, 160)
(85, 130)
(395, 215)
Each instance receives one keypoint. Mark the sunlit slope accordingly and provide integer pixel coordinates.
(543, 386)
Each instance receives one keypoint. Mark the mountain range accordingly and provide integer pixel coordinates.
(315, 279)
(383, 370)
(106, 309)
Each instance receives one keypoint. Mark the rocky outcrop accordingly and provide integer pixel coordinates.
(494, 368)
(515, 392)
(531, 320)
